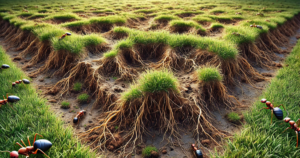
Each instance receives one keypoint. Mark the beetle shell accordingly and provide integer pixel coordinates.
(75, 120)
(13, 98)
(278, 113)
(25, 81)
(258, 26)
(14, 154)
(198, 154)
(68, 33)
(5, 66)
(42, 144)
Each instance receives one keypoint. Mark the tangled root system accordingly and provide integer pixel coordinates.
(214, 93)
(178, 59)
(61, 60)
(262, 58)
(98, 48)
(231, 68)
(82, 71)
(135, 116)
(41, 52)
(121, 65)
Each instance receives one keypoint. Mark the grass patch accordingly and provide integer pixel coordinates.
(65, 105)
(63, 16)
(19, 124)
(147, 151)
(83, 98)
(165, 18)
(152, 82)
(233, 117)
(209, 74)
(77, 86)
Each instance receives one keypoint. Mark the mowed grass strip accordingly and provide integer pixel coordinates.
(31, 116)
(259, 138)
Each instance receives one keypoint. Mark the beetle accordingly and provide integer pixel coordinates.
(4, 66)
(24, 81)
(9, 99)
(197, 152)
(78, 116)
(274, 109)
(294, 126)
(41, 146)
(64, 35)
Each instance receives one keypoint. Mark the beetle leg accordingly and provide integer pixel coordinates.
(35, 137)
(287, 129)
(19, 145)
(41, 152)
(23, 143)
(28, 140)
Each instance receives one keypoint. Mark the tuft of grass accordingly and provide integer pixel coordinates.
(209, 74)
(165, 17)
(63, 16)
(183, 23)
(65, 104)
(46, 33)
(108, 20)
(93, 40)
(77, 86)
(157, 81)
(147, 151)
(83, 98)
(216, 25)
(152, 81)
(73, 44)
(233, 117)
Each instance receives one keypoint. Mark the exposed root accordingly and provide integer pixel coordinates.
(262, 58)
(82, 71)
(232, 69)
(136, 116)
(214, 93)
(8, 30)
(113, 35)
(120, 65)
(98, 49)
(178, 29)
(178, 59)
(61, 60)
(42, 50)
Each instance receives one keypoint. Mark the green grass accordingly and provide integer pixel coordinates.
(65, 105)
(233, 117)
(93, 40)
(165, 17)
(147, 151)
(152, 81)
(77, 86)
(209, 74)
(259, 138)
(64, 16)
(83, 98)
(33, 115)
